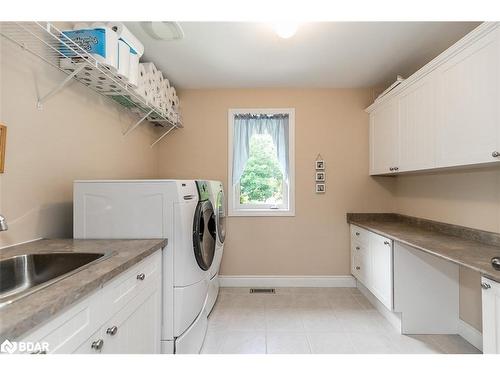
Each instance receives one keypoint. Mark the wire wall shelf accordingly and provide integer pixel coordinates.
(45, 41)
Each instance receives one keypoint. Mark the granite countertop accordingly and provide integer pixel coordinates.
(465, 246)
(24, 314)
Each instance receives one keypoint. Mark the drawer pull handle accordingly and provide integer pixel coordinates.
(485, 285)
(358, 267)
(387, 243)
(97, 344)
(141, 276)
(112, 330)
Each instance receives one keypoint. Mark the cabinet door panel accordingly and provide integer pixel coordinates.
(468, 105)
(491, 317)
(381, 269)
(384, 138)
(417, 126)
(137, 326)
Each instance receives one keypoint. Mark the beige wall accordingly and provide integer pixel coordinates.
(76, 135)
(470, 198)
(330, 122)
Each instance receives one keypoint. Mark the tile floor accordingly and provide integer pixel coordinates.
(312, 320)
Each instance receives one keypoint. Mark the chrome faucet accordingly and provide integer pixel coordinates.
(3, 224)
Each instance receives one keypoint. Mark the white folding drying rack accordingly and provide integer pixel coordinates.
(45, 41)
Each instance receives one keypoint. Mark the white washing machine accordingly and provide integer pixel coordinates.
(218, 202)
(179, 210)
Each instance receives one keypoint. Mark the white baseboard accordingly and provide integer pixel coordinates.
(391, 316)
(249, 281)
(470, 334)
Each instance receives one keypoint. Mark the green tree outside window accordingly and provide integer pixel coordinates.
(262, 179)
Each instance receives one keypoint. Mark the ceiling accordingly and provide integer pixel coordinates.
(327, 54)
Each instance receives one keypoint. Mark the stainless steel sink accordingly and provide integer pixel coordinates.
(24, 274)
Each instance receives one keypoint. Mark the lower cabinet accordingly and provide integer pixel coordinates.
(134, 330)
(491, 316)
(371, 263)
(124, 317)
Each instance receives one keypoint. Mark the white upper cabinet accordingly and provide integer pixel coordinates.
(468, 105)
(446, 115)
(384, 139)
(417, 120)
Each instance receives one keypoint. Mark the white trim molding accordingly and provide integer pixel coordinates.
(470, 334)
(257, 281)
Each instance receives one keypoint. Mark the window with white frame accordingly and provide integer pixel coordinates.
(261, 162)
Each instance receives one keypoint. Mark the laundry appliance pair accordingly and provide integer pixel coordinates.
(191, 215)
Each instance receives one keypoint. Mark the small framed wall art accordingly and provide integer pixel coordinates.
(320, 165)
(320, 176)
(320, 188)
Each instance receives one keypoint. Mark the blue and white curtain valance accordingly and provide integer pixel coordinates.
(245, 126)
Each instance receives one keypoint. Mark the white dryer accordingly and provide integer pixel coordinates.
(218, 202)
(178, 210)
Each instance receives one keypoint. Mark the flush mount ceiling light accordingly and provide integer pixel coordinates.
(285, 30)
(163, 30)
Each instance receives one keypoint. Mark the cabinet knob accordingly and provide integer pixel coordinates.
(112, 330)
(391, 168)
(357, 233)
(358, 267)
(495, 262)
(396, 168)
(97, 344)
(485, 285)
(495, 154)
(141, 276)
(357, 247)
(387, 243)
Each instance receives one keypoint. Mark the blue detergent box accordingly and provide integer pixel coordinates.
(93, 41)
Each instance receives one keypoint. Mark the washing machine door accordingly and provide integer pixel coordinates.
(204, 234)
(221, 217)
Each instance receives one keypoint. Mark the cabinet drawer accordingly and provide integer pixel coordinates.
(359, 234)
(122, 290)
(355, 266)
(69, 329)
(359, 249)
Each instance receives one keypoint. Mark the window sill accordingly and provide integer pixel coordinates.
(261, 212)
